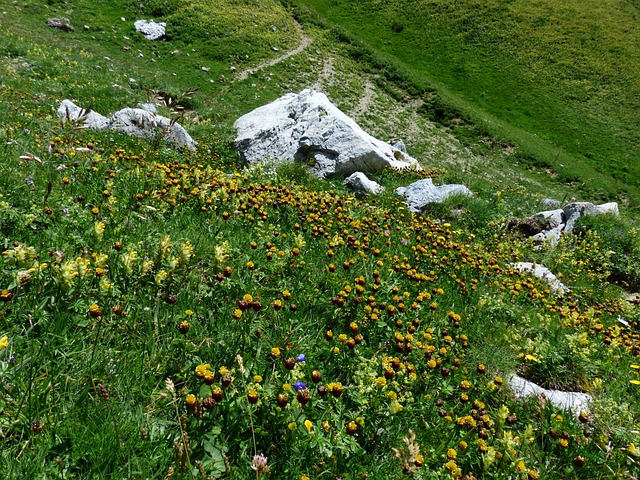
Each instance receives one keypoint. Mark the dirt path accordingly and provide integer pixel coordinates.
(326, 76)
(305, 41)
(367, 99)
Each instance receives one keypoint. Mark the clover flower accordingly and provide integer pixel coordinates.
(259, 464)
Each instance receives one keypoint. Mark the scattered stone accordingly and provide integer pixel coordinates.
(359, 182)
(308, 128)
(543, 273)
(62, 23)
(574, 401)
(551, 203)
(419, 194)
(131, 121)
(150, 29)
(633, 298)
(623, 321)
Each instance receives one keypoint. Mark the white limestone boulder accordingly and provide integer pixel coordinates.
(419, 194)
(307, 127)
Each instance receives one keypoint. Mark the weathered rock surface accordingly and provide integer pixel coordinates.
(61, 23)
(423, 192)
(543, 273)
(307, 127)
(564, 218)
(130, 121)
(551, 203)
(573, 401)
(359, 182)
(150, 29)
(142, 123)
(69, 111)
(149, 107)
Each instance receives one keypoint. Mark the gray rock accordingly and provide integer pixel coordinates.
(572, 401)
(423, 192)
(554, 216)
(551, 236)
(141, 123)
(69, 111)
(359, 182)
(307, 127)
(130, 121)
(611, 207)
(61, 23)
(551, 202)
(149, 107)
(543, 273)
(565, 218)
(399, 144)
(151, 30)
(573, 211)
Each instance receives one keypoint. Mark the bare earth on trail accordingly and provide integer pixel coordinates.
(305, 41)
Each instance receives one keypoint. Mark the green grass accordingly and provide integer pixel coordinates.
(556, 79)
(153, 302)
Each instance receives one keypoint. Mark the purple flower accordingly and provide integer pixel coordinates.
(301, 358)
(300, 386)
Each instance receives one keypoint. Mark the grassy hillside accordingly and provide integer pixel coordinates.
(171, 314)
(559, 79)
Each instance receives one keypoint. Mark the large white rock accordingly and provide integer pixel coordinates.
(574, 401)
(423, 192)
(151, 30)
(307, 127)
(69, 111)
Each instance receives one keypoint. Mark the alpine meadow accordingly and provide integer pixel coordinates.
(174, 312)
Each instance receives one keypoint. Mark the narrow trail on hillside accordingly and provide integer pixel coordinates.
(305, 41)
(326, 76)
